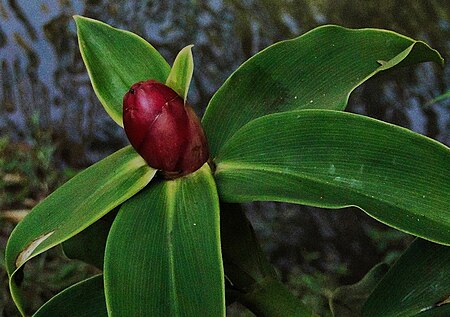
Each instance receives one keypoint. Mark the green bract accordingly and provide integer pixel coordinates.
(276, 131)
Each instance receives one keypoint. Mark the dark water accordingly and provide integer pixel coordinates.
(43, 82)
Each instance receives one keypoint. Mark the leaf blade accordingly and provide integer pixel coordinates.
(83, 299)
(418, 282)
(115, 60)
(347, 300)
(99, 188)
(334, 159)
(181, 72)
(170, 261)
(295, 74)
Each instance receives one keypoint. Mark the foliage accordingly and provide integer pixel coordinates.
(429, 264)
(276, 131)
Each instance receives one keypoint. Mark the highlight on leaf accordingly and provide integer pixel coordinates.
(149, 214)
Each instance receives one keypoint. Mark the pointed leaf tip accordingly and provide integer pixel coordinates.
(317, 70)
(115, 60)
(181, 73)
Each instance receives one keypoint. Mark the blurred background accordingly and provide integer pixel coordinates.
(52, 125)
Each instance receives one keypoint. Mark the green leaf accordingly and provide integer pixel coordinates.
(438, 311)
(163, 253)
(84, 299)
(334, 159)
(74, 206)
(244, 261)
(347, 301)
(115, 60)
(317, 70)
(419, 282)
(181, 73)
(250, 278)
(89, 244)
(440, 98)
(271, 298)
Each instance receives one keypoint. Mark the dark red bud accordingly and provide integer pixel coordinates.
(164, 130)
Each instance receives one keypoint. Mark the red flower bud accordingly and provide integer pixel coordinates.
(164, 130)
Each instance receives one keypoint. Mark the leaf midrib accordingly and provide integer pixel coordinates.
(171, 208)
(222, 167)
(93, 197)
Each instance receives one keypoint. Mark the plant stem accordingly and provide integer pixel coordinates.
(270, 298)
(253, 280)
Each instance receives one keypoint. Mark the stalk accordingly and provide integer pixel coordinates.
(251, 279)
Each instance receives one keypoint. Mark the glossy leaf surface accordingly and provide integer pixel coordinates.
(317, 70)
(84, 299)
(115, 60)
(181, 72)
(334, 159)
(418, 283)
(74, 206)
(163, 253)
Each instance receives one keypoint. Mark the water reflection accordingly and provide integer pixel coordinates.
(42, 73)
